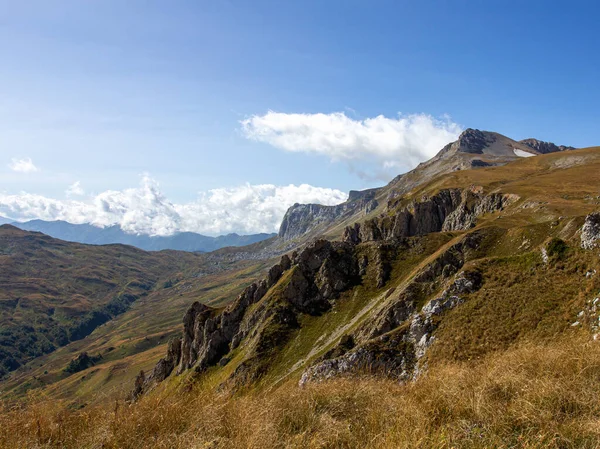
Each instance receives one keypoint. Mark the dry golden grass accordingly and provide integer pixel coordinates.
(529, 397)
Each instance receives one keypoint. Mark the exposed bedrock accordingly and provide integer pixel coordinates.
(448, 210)
(590, 232)
(313, 278)
(303, 218)
(395, 352)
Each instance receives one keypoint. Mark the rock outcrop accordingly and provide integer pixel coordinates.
(472, 141)
(590, 232)
(473, 149)
(314, 277)
(448, 210)
(395, 341)
(544, 147)
(301, 219)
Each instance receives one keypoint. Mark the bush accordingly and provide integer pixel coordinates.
(81, 362)
(556, 248)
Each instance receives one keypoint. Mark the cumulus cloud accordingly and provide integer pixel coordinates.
(388, 144)
(75, 189)
(25, 165)
(244, 209)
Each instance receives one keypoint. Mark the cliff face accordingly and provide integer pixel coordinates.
(397, 335)
(301, 219)
(449, 210)
(263, 313)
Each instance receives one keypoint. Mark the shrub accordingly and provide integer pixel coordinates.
(556, 248)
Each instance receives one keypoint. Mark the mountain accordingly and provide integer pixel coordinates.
(473, 149)
(93, 235)
(4, 220)
(113, 305)
(356, 221)
(380, 294)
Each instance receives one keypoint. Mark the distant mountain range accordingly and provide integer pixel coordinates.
(93, 235)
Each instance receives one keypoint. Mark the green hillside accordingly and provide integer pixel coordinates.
(55, 294)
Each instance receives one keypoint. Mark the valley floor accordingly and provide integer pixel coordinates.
(531, 396)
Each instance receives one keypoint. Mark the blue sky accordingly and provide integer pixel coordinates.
(145, 99)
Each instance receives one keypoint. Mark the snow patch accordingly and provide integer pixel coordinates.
(522, 153)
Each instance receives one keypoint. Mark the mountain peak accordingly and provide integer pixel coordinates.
(472, 150)
(474, 141)
(497, 149)
(470, 141)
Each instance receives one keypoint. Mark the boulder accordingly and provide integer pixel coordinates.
(590, 232)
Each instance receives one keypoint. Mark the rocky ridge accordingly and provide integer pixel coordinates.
(545, 147)
(472, 150)
(449, 210)
(315, 276)
(303, 218)
(396, 335)
(399, 351)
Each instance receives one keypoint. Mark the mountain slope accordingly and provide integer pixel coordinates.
(112, 306)
(182, 241)
(53, 292)
(402, 290)
(485, 279)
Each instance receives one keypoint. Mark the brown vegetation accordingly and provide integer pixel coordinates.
(531, 396)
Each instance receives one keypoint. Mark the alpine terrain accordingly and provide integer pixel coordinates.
(457, 306)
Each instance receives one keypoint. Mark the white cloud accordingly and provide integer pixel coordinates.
(245, 209)
(25, 165)
(388, 144)
(75, 189)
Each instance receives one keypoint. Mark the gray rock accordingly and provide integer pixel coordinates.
(590, 232)
(545, 147)
(320, 272)
(386, 344)
(303, 218)
(160, 372)
(473, 149)
(387, 355)
(448, 210)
